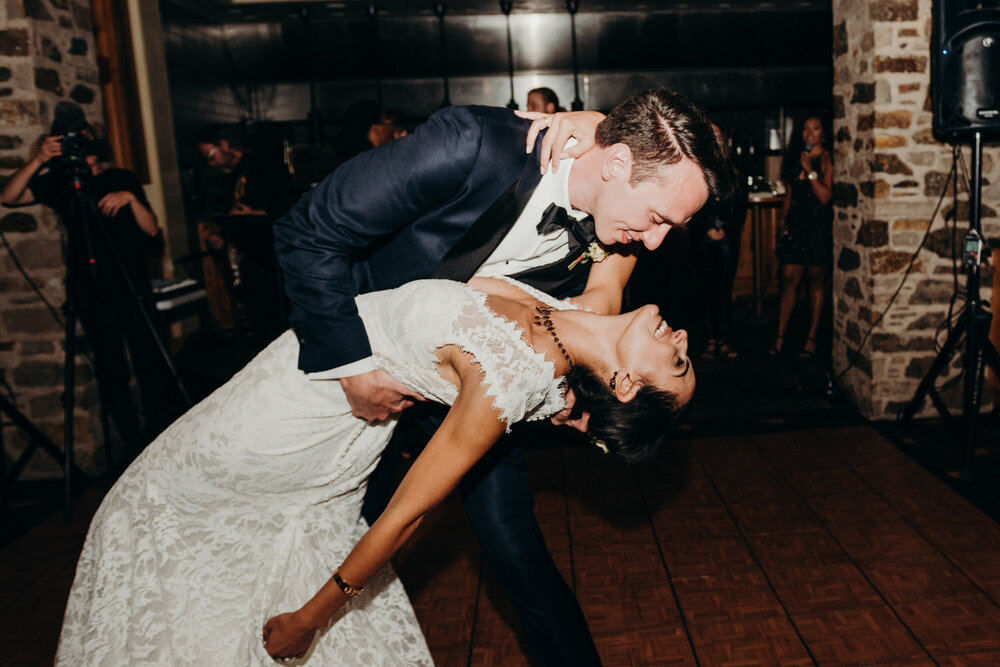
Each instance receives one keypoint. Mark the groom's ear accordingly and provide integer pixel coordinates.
(616, 162)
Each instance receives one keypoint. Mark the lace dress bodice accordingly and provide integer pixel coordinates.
(406, 325)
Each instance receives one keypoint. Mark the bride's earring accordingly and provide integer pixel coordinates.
(614, 380)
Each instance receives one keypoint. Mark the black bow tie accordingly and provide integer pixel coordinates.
(581, 232)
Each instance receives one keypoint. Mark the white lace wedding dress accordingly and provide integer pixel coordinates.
(243, 508)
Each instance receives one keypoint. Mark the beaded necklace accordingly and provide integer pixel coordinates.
(543, 318)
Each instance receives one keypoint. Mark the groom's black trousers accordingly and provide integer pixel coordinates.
(498, 500)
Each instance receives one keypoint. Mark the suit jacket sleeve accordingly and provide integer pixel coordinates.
(365, 200)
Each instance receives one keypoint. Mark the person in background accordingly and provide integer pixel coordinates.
(256, 189)
(543, 100)
(715, 236)
(390, 127)
(805, 246)
(111, 242)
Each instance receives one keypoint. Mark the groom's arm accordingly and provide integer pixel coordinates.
(364, 200)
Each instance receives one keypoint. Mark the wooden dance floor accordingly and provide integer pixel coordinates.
(818, 547)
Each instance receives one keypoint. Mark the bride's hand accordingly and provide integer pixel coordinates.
(579, 125)
(376, 394)
(286, 636)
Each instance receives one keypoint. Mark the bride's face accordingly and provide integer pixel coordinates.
(649, 348)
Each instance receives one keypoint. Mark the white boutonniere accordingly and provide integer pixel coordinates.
(595, 252)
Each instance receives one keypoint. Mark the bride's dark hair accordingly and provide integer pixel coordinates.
(632, 430)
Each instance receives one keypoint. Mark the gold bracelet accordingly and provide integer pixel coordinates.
(349, 591)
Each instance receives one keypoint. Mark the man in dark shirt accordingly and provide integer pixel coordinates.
(111, 228)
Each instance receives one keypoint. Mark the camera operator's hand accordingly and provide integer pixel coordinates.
(113, 202)
(15, 191)
(49, 148)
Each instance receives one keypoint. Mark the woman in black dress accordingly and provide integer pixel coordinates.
(805, 246)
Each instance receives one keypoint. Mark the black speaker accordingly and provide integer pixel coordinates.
(965, 70)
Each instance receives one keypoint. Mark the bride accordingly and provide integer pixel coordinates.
(216, 546)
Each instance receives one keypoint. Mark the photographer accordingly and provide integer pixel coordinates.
(110, 227)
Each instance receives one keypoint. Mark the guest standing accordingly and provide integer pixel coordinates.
(715, 235)
(805, 246)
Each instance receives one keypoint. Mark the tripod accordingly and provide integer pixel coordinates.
(80, 219)
(974, 325)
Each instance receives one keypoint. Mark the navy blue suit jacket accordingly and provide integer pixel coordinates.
(390, 215)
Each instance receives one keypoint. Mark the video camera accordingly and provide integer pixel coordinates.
(69, 125)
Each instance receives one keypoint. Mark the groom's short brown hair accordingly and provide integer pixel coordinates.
(661, 128)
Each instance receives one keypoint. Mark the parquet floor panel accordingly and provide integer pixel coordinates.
(812, 547)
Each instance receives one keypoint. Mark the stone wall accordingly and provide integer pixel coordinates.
(46, 56)
(889, 175)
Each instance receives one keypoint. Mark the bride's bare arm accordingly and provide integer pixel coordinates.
(603, 293)
(469, 430)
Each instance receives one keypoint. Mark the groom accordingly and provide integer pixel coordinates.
(460, 197)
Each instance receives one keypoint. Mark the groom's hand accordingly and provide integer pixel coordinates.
(375, 395)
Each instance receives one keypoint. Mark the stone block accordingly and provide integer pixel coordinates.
(906, 184)
(852, 332)
(6, 92)
(36, 9)
(82, 17)
(935, 182)
(5, 74)
(921, 158)
(901, 119)
(849, 260)
(890, 261)
(883, 92)
(864, 93)
(840, 39)
(78, 47)
(890, 163)
(838, 107)
(60, 4)
(889, 342)
(909, 223)
(889, 141)
(39, 254)
(82, 94)
(65, 23)
(46, 406)
(14, 42)
(47, 79)
(933, 292)
(904, 64)
(909, 87)
(30, 348)
(918, 367)
(51, 51)
(908, 32)
(34, 320)
(867, 188)
(852, 287)
(873, 234)
(843, 135)
(866, 122)
(894, 10)
(844, 194)
(88, 75)
(842, 306)
(941, 242)
(38, 374)
(18, 222)
(868, 41)
(11, 162)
